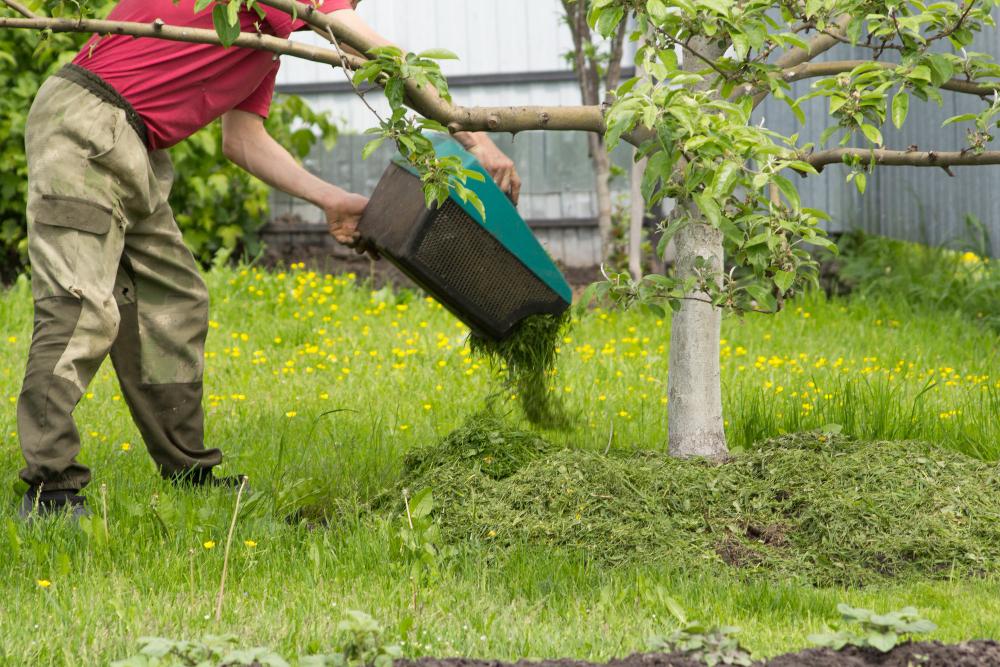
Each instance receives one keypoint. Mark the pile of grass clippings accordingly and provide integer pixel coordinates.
(527, 358)
(485, 444)
(819, 509)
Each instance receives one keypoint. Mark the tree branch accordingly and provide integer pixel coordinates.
(178, 34)
(19, 8)
(425, 101)
(614, 74)
(888, 157)
(819, 44)
(833, 67)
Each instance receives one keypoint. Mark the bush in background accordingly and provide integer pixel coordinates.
(959, 278)
(218, 206)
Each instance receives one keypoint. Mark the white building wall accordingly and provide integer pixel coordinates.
(489, 36)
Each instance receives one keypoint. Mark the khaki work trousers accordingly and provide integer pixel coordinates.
(110, 273)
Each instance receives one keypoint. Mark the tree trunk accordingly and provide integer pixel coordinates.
(602, 186)
(638, 217)
(694, 383)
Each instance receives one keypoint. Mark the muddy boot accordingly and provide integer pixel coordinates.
(38, 504)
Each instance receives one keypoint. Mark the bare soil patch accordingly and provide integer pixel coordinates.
(981, 653)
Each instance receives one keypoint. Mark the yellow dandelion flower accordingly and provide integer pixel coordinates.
(209, 544)
(126, 446)
(43, 583)
(250, 543)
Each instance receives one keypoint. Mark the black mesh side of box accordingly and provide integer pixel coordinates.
(468, 260)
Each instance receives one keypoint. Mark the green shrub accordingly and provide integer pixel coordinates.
(219, 207)
(961, 278)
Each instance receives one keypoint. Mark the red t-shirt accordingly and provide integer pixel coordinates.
(178, 88)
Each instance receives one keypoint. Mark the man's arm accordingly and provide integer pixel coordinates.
(498, 165)
(246, 142)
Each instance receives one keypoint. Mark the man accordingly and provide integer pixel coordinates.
(110, 272)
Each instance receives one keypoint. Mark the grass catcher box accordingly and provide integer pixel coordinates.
(490, 273)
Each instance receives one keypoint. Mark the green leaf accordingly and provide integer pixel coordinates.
(709, 208)
(960, 118)
(789, 190)
(883, 641)
(784, 280)
(233, 11)
(765, 300)
(371, 147)
(422, 503)
(227, 33)
(670, 231)
(873, 133)
(201, 5)
(658, 10)
(920, 73)
(438, 54)
(725, 178)
(900, 108)
(861, 181)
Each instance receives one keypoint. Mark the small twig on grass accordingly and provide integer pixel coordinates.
(611, 438)
(409, 521)
(225, 557)
(104, 508)
(191, 573)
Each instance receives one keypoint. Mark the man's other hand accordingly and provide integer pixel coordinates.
(343, 213)
(499, 166)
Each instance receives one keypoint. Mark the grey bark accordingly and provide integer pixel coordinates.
(588, 73)
(637, 218)
(694, 382)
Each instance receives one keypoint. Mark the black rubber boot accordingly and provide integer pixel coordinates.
(203, 478)
(43, 504)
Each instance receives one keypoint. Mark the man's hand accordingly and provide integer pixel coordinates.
(246, 142)
(343, 213)
(494, 161)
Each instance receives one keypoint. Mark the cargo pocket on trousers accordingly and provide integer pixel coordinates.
(76, 213)
(67, 243)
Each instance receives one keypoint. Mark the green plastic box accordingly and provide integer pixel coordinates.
(490, 273)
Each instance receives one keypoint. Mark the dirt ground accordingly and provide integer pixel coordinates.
(922, 654)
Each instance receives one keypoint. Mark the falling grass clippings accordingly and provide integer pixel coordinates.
(527, 358)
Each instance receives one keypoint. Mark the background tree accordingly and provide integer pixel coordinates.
(691, 119)
(598, 66)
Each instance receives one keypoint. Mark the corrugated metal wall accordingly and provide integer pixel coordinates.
(527, 37)
(917, 204)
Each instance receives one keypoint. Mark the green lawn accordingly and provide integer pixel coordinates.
(313, 378)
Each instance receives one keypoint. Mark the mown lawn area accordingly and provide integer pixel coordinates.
(318, 386)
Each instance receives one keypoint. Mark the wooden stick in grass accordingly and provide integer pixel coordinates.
(225, 556)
